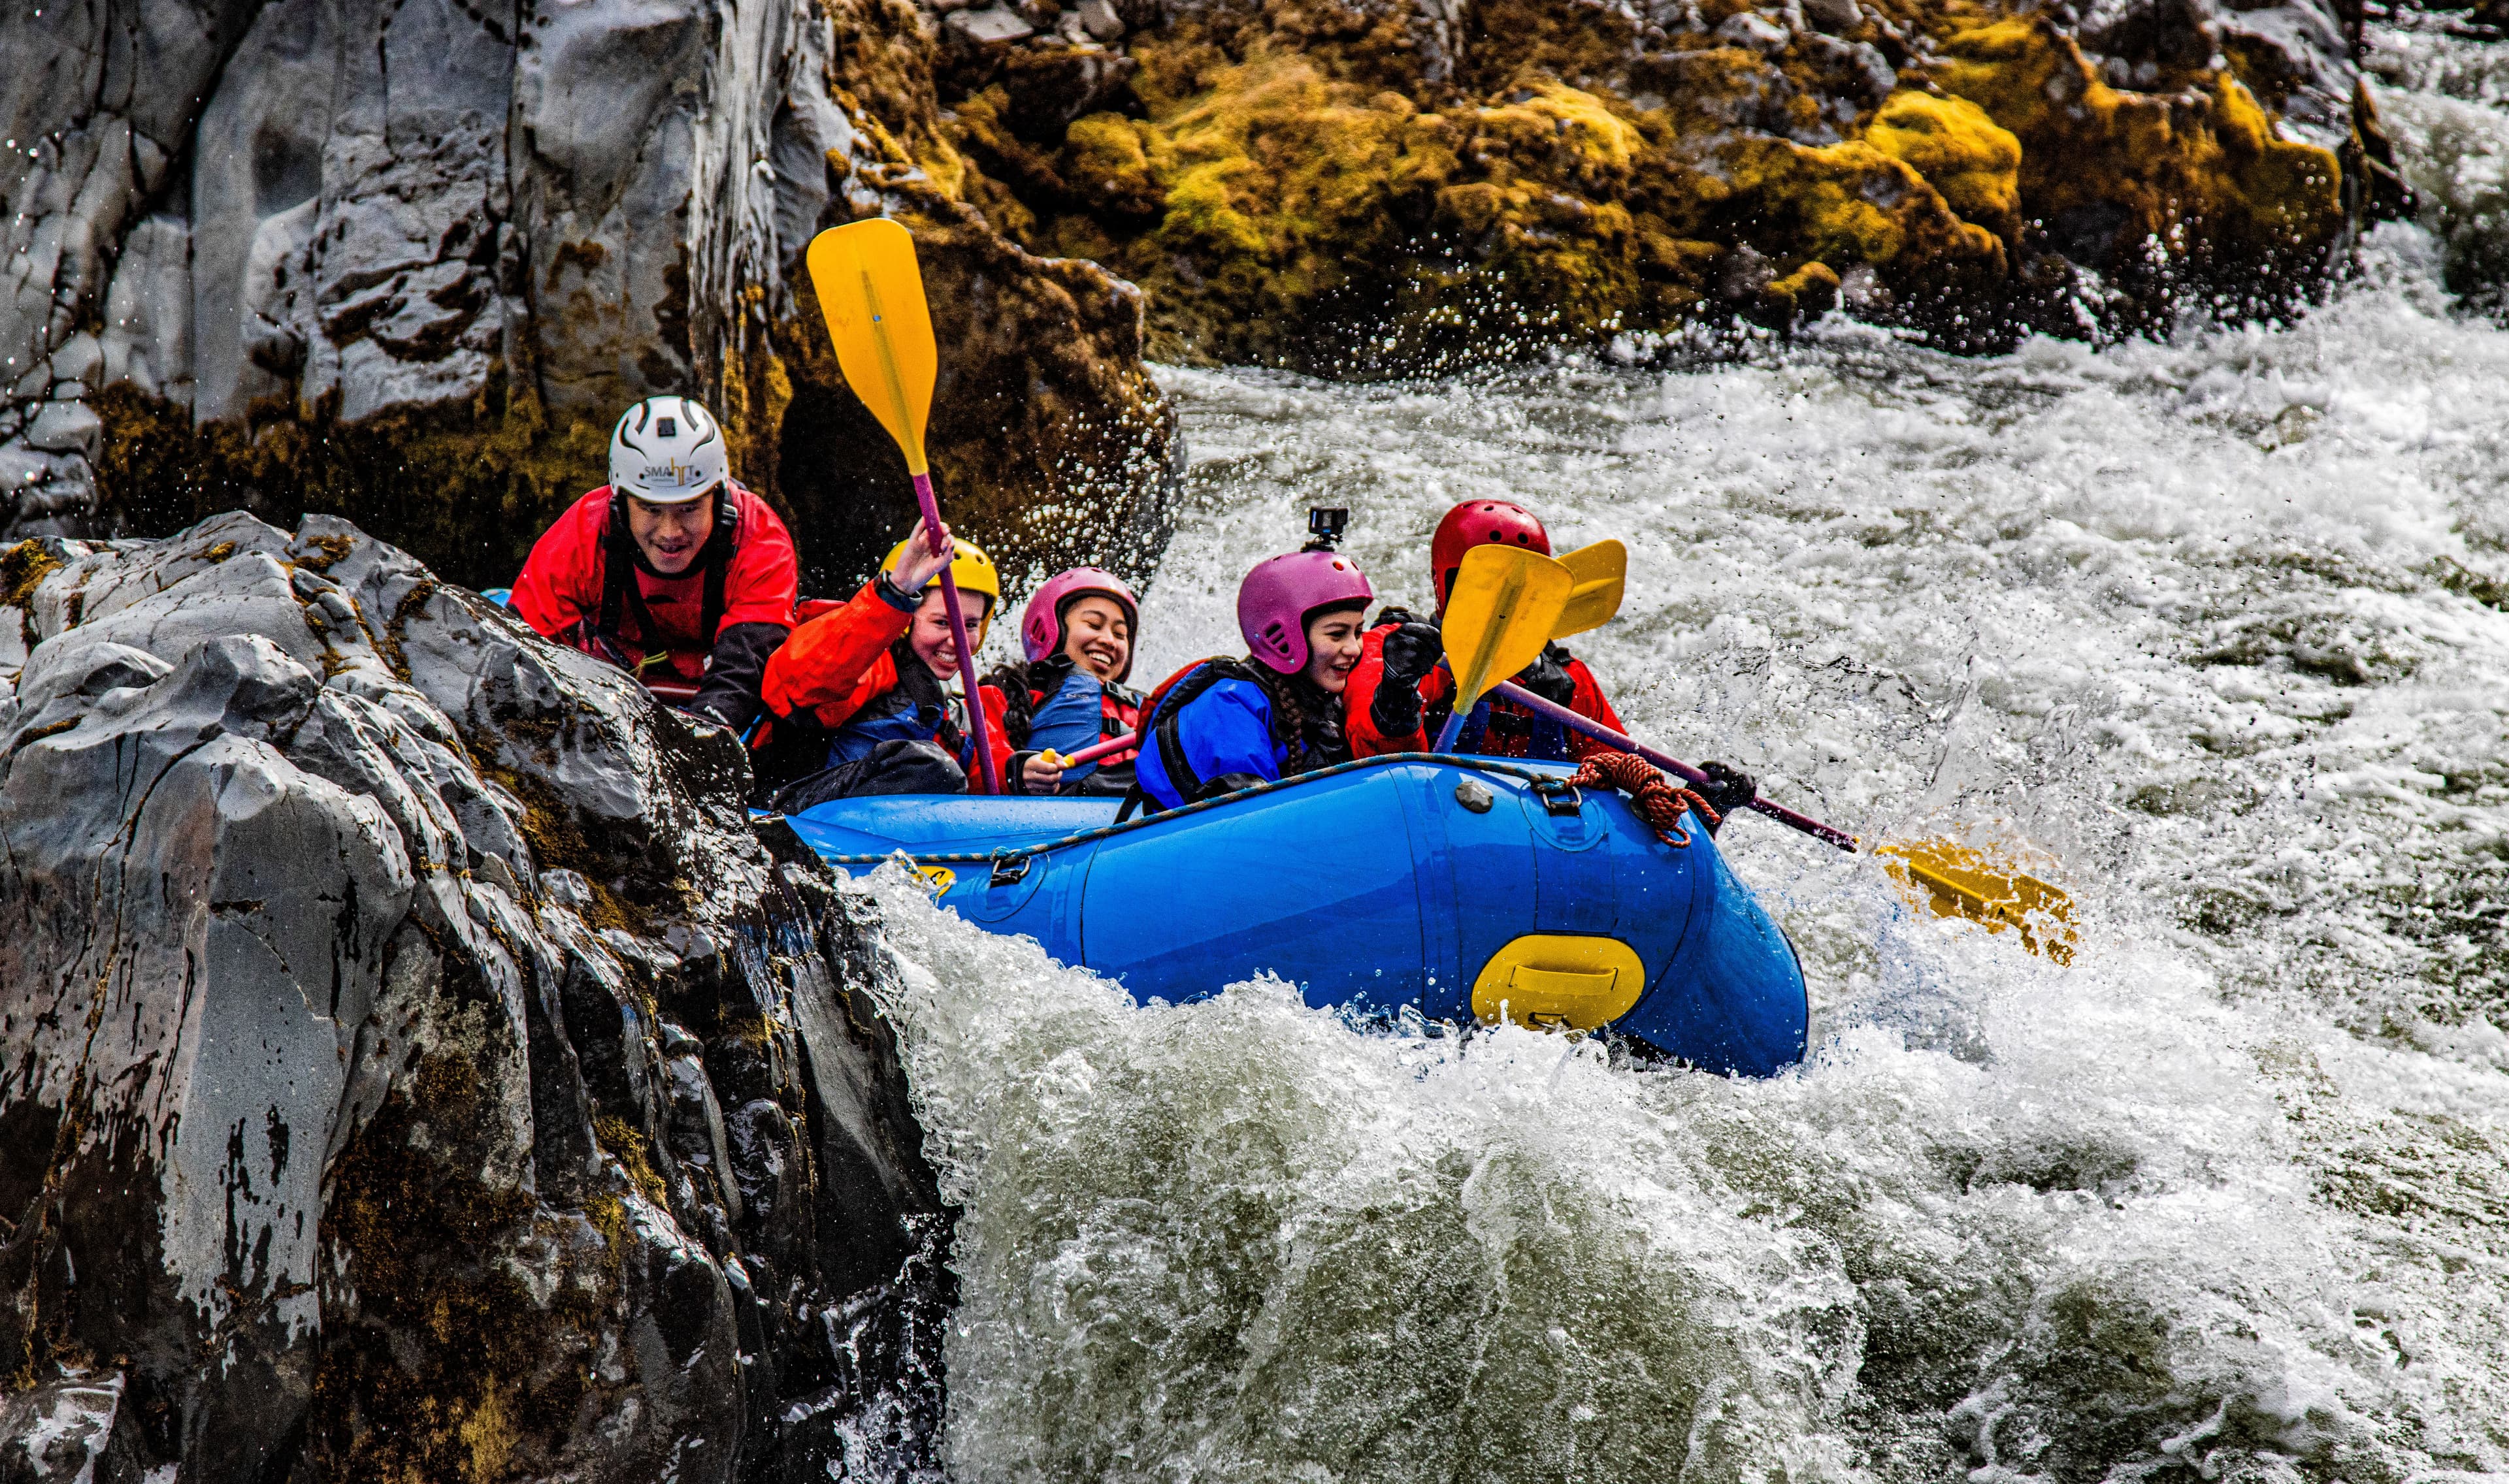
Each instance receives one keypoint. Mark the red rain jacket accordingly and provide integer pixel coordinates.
(560, 590)
(838, 662)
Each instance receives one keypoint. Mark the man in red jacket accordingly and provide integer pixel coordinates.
(670, 571)
(1398, 698)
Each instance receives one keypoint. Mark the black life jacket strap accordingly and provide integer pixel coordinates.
(920, 689)
(718, 562)
(1170, 701)
(622, 596)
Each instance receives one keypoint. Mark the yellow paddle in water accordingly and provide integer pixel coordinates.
(1945, 876)
(872, 293)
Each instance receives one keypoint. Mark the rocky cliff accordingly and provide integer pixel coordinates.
(407, 259)
(404, 259)
(411, 1063)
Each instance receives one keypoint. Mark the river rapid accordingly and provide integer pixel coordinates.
(2212, 630)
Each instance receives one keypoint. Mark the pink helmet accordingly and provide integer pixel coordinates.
(1280, 595)
(1041, 621)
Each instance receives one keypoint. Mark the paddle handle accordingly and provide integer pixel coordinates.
(986, 766)
(1671, 764)
(1097, 749)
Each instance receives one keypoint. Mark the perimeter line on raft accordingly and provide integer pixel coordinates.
(1548, 785)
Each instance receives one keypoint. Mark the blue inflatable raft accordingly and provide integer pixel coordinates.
(1462, 888)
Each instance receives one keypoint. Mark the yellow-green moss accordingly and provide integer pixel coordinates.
(410, 1223)
(464, 489)
(1298, 175)
(23, 569)
(629, 1148)
(1974, 164)
(2207, 177)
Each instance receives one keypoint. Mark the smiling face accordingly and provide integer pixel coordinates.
(670, 535)
(1096, 636)
(1332, 648)
(929, 634)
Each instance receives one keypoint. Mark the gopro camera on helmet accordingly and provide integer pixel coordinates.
(1325, 527)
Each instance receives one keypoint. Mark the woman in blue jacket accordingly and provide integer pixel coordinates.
(1224, 724)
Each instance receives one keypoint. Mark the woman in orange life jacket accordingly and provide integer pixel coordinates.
(858, 693)
(1398, 700)
(1077, 630)
(1224, 724)
(671, 570)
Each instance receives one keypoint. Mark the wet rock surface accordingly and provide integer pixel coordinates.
(406, 260)
(412, 1064)
(1376, 185)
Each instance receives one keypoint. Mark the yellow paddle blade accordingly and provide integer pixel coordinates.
(1959, 881)
(1602, 572)
(1501, 611)
(872, 297)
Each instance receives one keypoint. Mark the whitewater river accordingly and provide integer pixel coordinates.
(2214, 628)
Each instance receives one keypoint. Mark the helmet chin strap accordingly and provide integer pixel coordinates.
(726, 516)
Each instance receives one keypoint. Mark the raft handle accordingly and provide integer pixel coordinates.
(1559, 798)
(1010, 869)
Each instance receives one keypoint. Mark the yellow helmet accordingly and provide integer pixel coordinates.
(970, 569)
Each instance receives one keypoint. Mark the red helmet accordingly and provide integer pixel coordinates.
(1473, 523)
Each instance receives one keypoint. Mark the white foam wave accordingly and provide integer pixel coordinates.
(2215, 626)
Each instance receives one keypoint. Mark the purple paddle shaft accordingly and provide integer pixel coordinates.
(984, 763)
(1610, 738)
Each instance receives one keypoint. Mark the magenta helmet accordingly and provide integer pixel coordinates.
(1279, 596)
(1041, 621)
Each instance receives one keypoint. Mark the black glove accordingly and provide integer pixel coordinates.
(1410, 651)
(1727, 789)
(1548, 676)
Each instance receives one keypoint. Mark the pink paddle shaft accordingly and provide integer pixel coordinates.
(1096, 750)
(1610, 738)
(984, 763)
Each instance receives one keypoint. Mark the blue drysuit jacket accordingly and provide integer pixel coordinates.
(1227, 730)
(1070, 719)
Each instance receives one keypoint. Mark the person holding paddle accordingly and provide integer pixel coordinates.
(670, 571)
(858, 695)
(1077, 630)
(1224, 724)
(1400, 696)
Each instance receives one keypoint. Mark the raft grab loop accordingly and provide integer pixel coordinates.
(1651, 798)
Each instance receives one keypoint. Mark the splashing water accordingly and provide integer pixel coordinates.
(2216, 625)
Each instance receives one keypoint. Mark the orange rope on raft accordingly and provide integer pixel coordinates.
(1651, 798)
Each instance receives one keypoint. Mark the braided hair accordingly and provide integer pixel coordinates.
(1306, 720)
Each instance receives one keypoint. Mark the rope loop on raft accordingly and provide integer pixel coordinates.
(1652, 798)
(1010, 863)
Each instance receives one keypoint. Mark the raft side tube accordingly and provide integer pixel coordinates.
(1378, 887)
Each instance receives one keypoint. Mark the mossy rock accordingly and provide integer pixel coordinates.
(1304, 185)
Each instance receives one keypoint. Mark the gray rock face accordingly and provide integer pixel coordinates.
(428, 217)
(411, 1063)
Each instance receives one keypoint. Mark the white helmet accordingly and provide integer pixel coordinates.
(667, 451)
